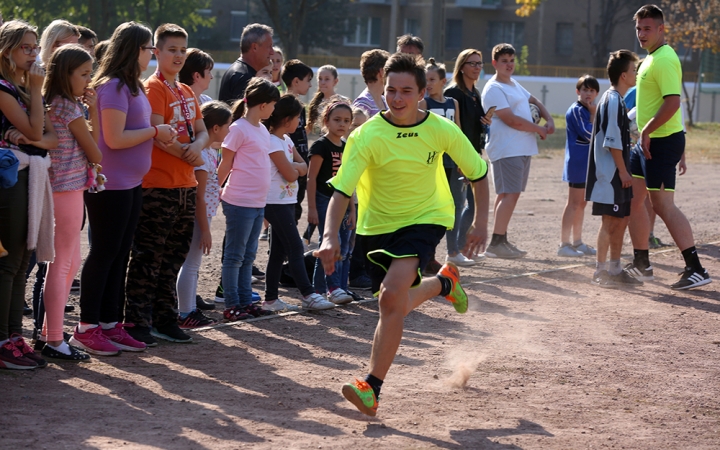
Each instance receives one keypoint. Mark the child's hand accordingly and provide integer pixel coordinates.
(166, 134)
(350, 222)
(550, 126)
(543, 132)
(486, 120)
(16, 137)
(313, 216)
(36, 74)
(206, 242)
(90, 98)
(625, 178)
(192, 155)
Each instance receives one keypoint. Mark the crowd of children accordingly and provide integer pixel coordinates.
(146, 164)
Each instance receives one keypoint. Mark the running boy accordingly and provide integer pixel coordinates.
(165, 229)
(609, 183)
(579, 119)
(395, 162)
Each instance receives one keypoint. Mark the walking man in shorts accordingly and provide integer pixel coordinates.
(663, 143)
(395, 162)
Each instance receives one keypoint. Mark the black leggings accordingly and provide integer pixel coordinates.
(113, 217)
(285, 241)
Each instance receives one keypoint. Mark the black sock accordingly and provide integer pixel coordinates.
(691, 259)
(641, 258)
(375, 383)
(446, 285)
(497, 239)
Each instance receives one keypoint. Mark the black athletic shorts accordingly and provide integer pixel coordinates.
(414, 241)
(577, 185)
(604, 209)
(659, 171)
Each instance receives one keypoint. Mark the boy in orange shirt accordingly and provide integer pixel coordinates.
(165, 229)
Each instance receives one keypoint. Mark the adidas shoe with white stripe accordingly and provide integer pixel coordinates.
(639, 274)
(691, 279)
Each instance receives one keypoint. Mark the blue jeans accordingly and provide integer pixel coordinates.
(468, 215)
(339, 279)
(457, 189)
(242, 230)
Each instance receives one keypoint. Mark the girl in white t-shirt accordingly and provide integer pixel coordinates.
(286, 165)
(245, 165)
(217, 117)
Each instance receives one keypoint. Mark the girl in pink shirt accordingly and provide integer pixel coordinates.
(246, 166)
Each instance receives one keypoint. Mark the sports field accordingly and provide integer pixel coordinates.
(542, 360)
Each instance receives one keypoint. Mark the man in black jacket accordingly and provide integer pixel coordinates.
(256, 48)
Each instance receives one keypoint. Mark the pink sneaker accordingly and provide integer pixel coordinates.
(122, 340)
(94, 341)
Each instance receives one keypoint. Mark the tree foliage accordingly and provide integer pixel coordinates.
(527, 7)
(103, 16)
(693, 25)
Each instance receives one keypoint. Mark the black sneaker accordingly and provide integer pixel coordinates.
(691, 278)
(257, 273)
(361, 282)
(640, 273)
(69, 308)
(27, 311)
(219, 294)
(75, 288)
(203, 305)
(142, 334)
(171, 332)
(195, 319)
(76, 355)
(502, 251)
(256, 311)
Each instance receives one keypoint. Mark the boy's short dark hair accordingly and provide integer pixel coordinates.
(502, 49)
(650, 12)
(618, 64)
(410, 40)
(295, 68)
(86, 34)
(197, 61)
(167, 30)
(588, 82)
(406, 63)
(370, 64)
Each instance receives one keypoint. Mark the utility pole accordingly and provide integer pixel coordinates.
(394, 12)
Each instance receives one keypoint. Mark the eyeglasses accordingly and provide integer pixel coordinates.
(475, 63)
(150, 47)
(30, 49)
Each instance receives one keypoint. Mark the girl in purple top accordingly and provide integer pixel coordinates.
(126, 140)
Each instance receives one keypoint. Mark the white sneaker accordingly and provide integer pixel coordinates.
(316, 302)
(340, 297)
(460, 260)
(278, 306)
(254, 280)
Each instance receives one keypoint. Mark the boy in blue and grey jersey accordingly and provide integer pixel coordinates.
(609, 182)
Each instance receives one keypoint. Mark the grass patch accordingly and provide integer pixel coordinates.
(701, 142)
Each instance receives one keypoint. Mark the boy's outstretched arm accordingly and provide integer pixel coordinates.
(329, 251)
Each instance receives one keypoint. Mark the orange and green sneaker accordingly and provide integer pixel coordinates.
(360, 394)
(457, 295)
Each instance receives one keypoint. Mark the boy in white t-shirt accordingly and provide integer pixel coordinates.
(511, 144)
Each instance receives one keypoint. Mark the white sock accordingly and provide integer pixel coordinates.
(84, 327)
(108, 326)
(63, 348)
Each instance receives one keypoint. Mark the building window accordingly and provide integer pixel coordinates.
(412, 26)
(363, 32)
(203, 33)
(453, 33)
(238, 21)
(564, 39)
(512, 33)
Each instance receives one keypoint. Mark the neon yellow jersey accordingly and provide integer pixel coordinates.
(660, 75)
(399, 175)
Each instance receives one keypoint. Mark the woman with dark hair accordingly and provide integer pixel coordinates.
(126, 141)
(467, 70)
(197, 73)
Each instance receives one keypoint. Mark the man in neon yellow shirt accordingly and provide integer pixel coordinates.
(395, 162)
(659, 84)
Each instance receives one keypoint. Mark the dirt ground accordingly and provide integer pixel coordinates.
(549, 361)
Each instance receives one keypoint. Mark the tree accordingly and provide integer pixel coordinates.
(102, 16)
(694, 26)
(607, 14)
(305, 22)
